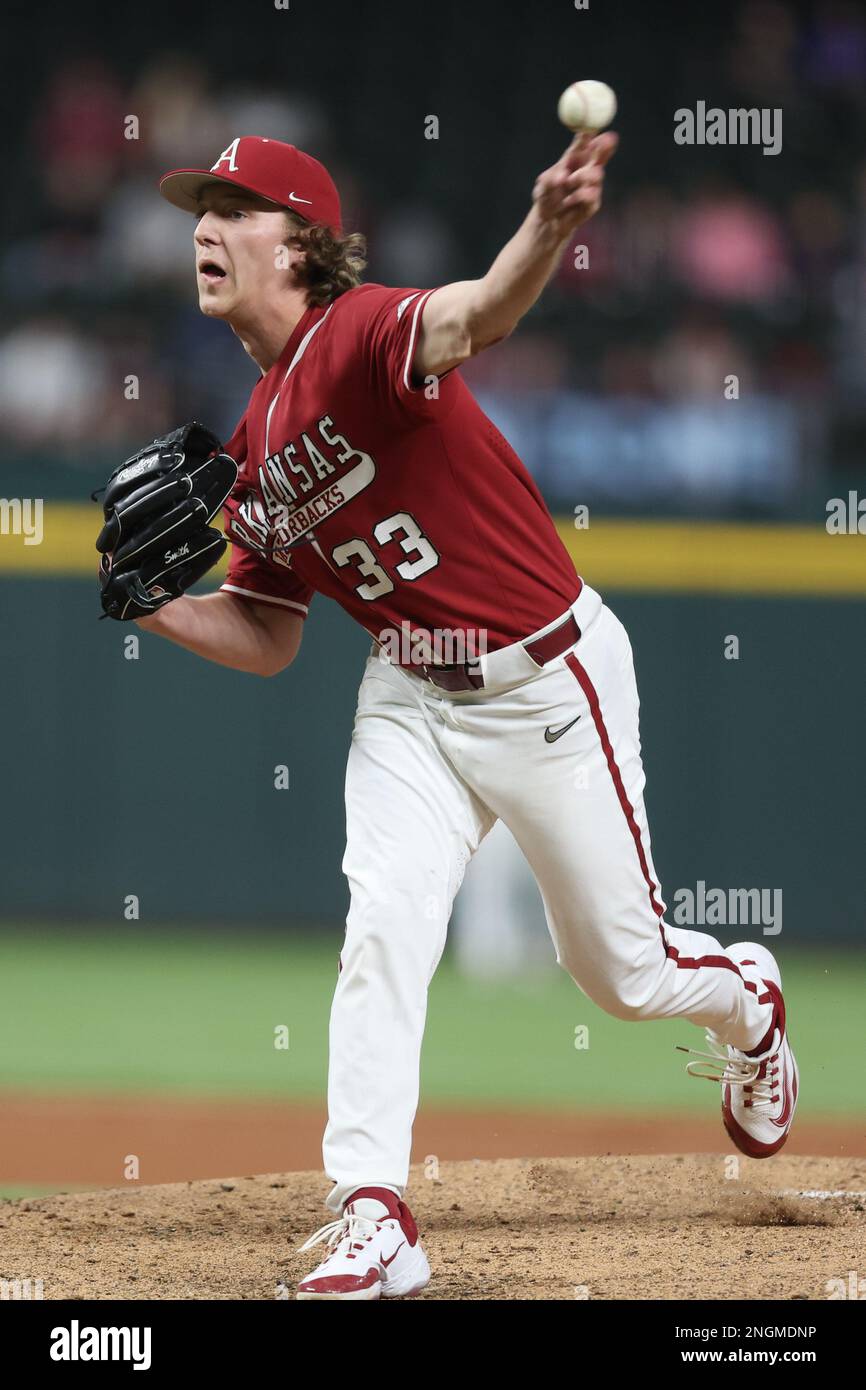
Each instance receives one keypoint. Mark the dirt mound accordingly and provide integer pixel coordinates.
(673, 1226)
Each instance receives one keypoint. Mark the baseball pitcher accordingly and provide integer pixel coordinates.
(498, 685)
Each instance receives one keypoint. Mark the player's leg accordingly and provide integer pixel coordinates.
(588, 842)
(576, 807)
(412, 825)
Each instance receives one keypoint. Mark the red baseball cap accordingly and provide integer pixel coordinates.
(268, 168)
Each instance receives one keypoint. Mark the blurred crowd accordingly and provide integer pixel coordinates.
(704, 265)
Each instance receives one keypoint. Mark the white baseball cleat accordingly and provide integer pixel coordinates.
(374, 1251)
(759, 1093)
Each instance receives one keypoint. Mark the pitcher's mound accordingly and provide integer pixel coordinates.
(671, 1226)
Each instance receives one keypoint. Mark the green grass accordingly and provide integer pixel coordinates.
(16, 1192)
(137, 1010)
(515, 1042)
(142, 1011)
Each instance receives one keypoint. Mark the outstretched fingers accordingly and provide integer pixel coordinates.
(574, 184)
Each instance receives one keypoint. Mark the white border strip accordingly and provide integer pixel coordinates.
(410, 352)
(820, 1194)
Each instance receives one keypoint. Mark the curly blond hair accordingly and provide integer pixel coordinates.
(332, 264)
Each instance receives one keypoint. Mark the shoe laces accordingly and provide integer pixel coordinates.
(758, 1076)
(354, 1229)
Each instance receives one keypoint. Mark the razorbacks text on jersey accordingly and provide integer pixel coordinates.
(410, 506)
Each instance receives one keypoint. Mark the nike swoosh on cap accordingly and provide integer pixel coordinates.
(295, 198)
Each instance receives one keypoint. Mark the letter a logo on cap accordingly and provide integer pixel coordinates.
(230, 155)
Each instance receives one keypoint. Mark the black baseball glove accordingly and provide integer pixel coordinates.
(156, 541)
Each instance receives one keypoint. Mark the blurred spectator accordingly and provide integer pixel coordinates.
(646, 231)
(696, 359)
(849, 339)
(762, 56)
(78, 137)
(528, 362)
(412, 246)
(298, 119)
(37, 268)
(627, 370)
(835, 47)
(52, 382)
(819, 236)
(591, 266)
(758, 270)
(727, 246)
(61, 386)
(145, 239)
(179, 123)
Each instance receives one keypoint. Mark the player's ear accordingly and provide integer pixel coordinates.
(289, 255)
(292, 256)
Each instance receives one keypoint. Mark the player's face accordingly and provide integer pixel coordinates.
(239, 254)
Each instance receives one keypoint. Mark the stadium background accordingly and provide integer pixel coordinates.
(154, 777)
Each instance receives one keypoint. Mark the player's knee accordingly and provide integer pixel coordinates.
(382, 926)
(626, 992)
(625, 1009)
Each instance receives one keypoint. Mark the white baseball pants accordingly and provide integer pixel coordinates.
(428, 775)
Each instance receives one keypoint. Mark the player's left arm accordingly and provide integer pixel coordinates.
(463, 318)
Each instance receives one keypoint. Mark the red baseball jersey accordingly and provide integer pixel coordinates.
(411, 507)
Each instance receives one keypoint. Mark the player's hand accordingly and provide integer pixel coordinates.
(569, 192)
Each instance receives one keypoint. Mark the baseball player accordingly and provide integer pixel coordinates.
(498, 684)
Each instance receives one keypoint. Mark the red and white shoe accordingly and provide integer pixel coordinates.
(374, 1251)
(759, 1091)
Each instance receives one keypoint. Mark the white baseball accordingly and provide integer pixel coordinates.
(587, 106)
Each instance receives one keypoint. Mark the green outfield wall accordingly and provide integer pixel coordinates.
(155, 776)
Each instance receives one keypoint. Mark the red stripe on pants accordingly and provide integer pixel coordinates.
(682, 962)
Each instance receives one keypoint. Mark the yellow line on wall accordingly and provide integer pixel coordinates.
(716, 557)
(67, 549)
(643, 556)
